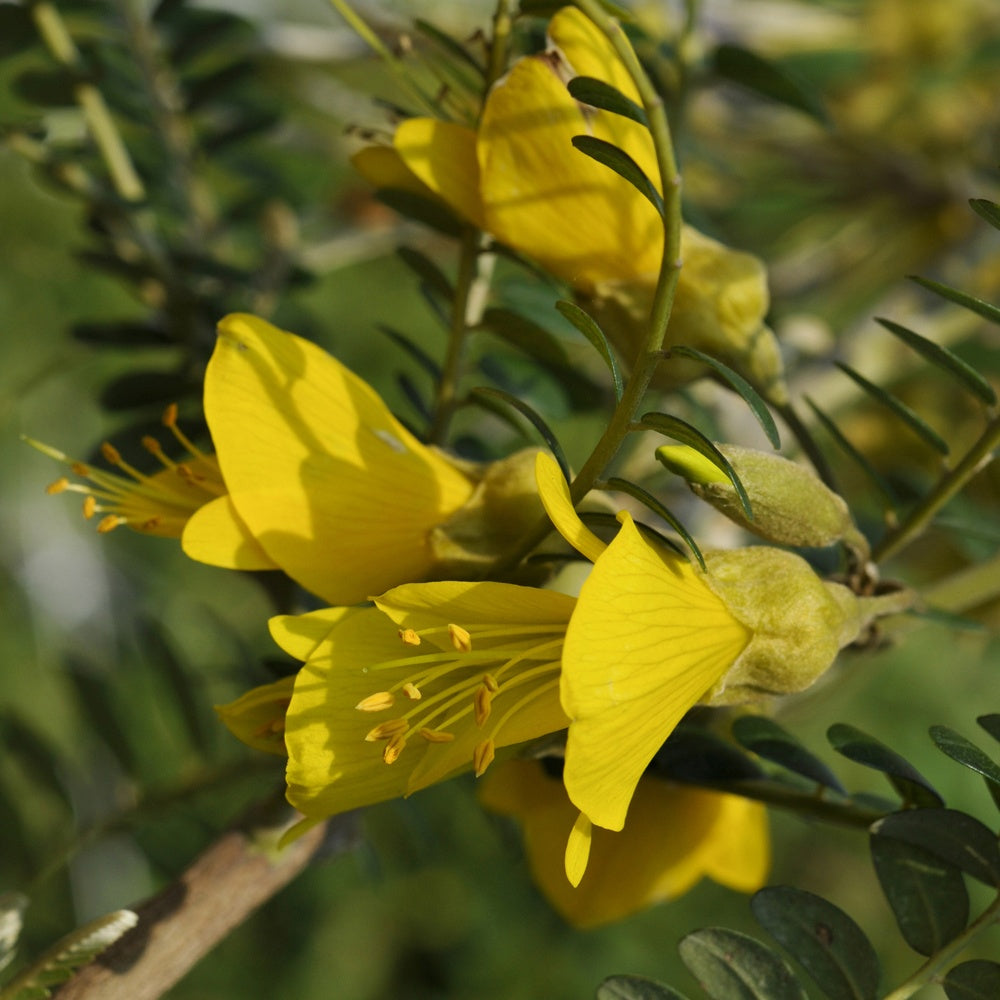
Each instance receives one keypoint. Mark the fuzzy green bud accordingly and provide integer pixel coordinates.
(798, 622)
(791, 506)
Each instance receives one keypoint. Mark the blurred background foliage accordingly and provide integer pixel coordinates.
(114, 773)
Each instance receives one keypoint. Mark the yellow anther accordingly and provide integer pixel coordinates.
(169, 417)
(482, 702)
(393, 749)
(483, 756)
(409, 637)
(111, 453)
(150, 523)
(90, 507)
(460, 638)
(491, 683)
(188, 474)
(436, 736)
(387, 730)
(109, 523)
(412, 691)
(152, 445)
(377, 702)
(59, 486)
(79, 469)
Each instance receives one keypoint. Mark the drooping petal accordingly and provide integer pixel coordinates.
(674, 837)
(257, 718)
(334, 489)
(443, 156)
(383, 167)
(554, 491)
(646, 642)
(215, 534)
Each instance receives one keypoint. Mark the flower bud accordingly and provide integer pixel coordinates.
(798, 622)
(791, 506)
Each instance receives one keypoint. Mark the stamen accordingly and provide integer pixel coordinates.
(59, 486)
(460, 638)
(481, 701)
(109, 522)
(483, 756)
(491, 683)
(377, 702)
(89, 506)
(436, 736)
(387, 730)
(412, 691)
(393, 749)
(409, 637)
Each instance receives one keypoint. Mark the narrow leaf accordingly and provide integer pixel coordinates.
(428, 211)
(822, 938)
(767, 739)
(978, 979)
(413, 395)
(978, 306)
(864, 749)
(414, 351)
(598, 94)
(733, 966)
(740, 386)
(453, 48)
(648, 500)
(927, 895)
(680, 430)
(944, 359)
(589, 327)
(880, 484)
(17, 30)
(989, 210)
(908, 416)
(966, 752)
(767, 79)
(695, 755)
(539, 424)
(991, 723)
(622, 164)
(953, 836)
(427, 271)
(635, 988)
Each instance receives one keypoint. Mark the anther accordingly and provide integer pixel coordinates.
(111, 453)
(377, 702)
(409, 637)
(460, 638)
(387, 730)
(481, 701)
(491, 683)
(483, 756)
(109, 523)
(90, 507)
(59, 486)
(412, 691)
(393, 749)
(169, 418)
(436, 735)
(81, 470)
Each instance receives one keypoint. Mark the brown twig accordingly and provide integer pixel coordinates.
(181, 924)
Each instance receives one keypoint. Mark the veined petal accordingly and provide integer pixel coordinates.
(545, 198)
(257, 718)
(299, 635)
(647, 641)
(216, 535)
(673, 838)
(381, 711)
(335, 490)
(443, 156)
(554, 491)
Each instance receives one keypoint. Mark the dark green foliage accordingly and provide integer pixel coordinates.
(985, 309)
(598, 94)
(622, 164)
(966, 752)
(589, 327)
(975, 980)
(764, 737)
(635, 988)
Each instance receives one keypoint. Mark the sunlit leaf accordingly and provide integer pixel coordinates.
(985, 309)
(589, 327)
(764, 737)
(622, 164)
(822, 938)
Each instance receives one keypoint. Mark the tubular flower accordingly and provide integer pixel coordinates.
(332, 488)
(520, 178)
(674, 837)
(158, 504)
(433, 680)
(651, 636)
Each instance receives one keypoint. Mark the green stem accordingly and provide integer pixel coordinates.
(920, 517)
(500, 45)
(929, 970)
(102, 127)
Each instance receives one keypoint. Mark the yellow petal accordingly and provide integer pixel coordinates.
(258, 717)
(739, 854)
(646, 642)
(383, 167)
(335, 490)
(545, 198)
(214, 534)
(443, 156)
(299, 635)
(554, 491)
(578, 849)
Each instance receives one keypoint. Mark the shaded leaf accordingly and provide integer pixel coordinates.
(589, 327)
(681, 430)
(966, 752)
(900, 409)
(427, 211)
(449, 45)
(24, 744)
(612, 525)
(978, 306)
(635, 988)
(864, 749)
(767, 739)
(944, 359)
(95, 701)
(206, 87)
(427, 271)
(991, 723)
(733, 966)
(927, 895)
(978, 979)
(648, 500)
(822, 938)
(622, 164)
(598, 94)
(147, 389)
(125, 333)
(414, 396)
(953, 836)
(989, 210)
(752, 71)
(740, 386)
(413, 350)
(17, 30)
(48, 88)
(695, 755)
(539, 424)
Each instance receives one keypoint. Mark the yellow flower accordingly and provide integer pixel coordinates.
(328, 484)
(258, 717)
(158, 504)
(520, 178)
(674, 837)
(433, 680)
